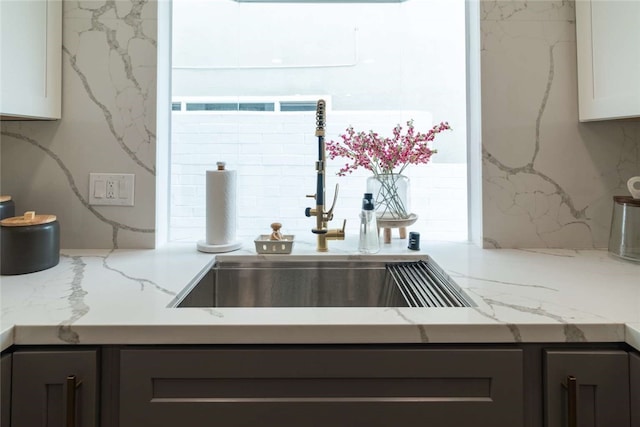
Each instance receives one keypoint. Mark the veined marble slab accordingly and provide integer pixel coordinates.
(123, 297)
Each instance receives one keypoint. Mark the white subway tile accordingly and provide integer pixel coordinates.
(249, 139)
(219, 128)
(263, 128)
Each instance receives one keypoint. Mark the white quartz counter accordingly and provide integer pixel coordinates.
(123, 297)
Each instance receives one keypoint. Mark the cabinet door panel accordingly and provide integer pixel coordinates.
(5, 396)
(608, 35)
(602, 387)
(31, 58)
(321, 387)
(40, 388)
(634, 382)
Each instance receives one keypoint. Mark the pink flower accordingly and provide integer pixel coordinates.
(383, 155)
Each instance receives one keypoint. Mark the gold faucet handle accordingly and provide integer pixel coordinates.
(333, 205)
(337, 233)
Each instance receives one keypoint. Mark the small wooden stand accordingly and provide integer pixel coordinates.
(387, 233)
(401, 224)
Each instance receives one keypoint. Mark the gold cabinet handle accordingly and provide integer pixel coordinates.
(572, 401)
(72, 385)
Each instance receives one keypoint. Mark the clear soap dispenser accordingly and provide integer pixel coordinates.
(369, 242)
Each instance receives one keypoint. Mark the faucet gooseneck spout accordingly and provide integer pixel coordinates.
(322, 217)
(321, 117)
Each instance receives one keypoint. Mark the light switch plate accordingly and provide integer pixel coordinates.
(114, 189)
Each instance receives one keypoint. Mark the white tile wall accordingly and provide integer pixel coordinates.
(274, 155)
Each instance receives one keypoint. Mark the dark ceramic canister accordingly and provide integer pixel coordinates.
(29, 243)
(7, 207)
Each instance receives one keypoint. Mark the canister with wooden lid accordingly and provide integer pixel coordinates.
(624, 237)
(29, 243)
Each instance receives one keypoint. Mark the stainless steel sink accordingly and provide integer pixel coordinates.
(300, 282)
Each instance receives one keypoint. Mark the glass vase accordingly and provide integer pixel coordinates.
(391, 195)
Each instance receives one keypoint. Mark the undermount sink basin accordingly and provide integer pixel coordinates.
(291, 281)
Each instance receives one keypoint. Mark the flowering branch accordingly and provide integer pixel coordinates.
(384, 154)
(381, 156)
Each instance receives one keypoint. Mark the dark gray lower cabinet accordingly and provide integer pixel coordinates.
(321, 386)
(589, 387)
(634, 388)
(54, 388)
(5, 392)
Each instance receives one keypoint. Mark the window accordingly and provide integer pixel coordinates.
(298, 106)
(246, 78)
(275, 104)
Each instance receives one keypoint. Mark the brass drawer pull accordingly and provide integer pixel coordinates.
(572, 401)
(72, 385)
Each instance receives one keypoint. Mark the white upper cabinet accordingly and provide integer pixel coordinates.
(608, 43)
(30, 59)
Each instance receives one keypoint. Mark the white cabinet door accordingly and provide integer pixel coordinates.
(30, 58)
(608, 43)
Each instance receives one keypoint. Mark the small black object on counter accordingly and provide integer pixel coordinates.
(414, 241)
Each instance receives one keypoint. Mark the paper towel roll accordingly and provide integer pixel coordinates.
(220, 212)
(221, 207)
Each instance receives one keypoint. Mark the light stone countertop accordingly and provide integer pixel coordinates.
(124, 296)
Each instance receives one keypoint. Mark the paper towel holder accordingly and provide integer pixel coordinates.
(203, 245)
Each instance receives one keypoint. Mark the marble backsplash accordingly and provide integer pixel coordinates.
(548, 180)
(109, 120)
